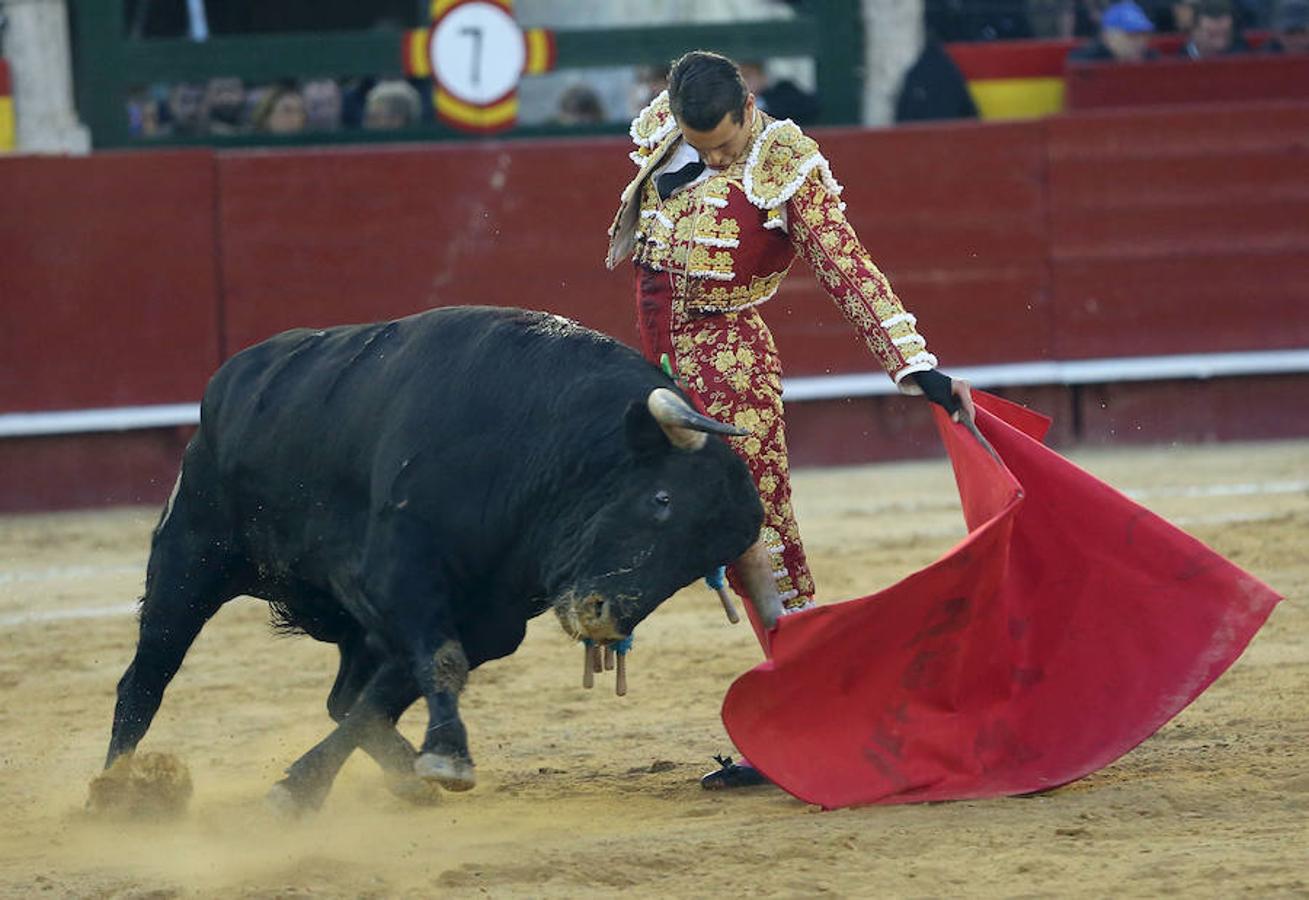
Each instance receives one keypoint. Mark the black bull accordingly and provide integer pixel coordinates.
(414, 491)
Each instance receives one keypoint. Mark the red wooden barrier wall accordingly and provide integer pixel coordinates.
(107, 280)
(1233, 79)
(1179, 232)
(338, 236)
(957, 224)
(125, 278)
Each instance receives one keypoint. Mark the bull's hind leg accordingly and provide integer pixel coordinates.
(410, 618)
(384, 744)
(400, 679)
(189, 576)
(369, 723)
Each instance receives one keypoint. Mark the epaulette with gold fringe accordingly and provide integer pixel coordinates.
(650, 127)
(780, 160)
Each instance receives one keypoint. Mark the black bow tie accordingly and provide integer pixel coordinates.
(667, 183)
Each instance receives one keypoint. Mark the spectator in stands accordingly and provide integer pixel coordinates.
(323, 104)
(1290, 28)
(224, 106)
(1124, 36)
(1179, 15)
(281, 111)
(1087, 15)
(994, 20)
(780, 99)
(354, 94)
(1183, 16)
(185, 109)
(254, 98)
(143, 115)
(579, 104)
(650, 83)
(391, 105)
(1052, 18)
(1213, 32)
(934, 88)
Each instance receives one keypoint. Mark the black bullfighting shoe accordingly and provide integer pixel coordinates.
(730, 774)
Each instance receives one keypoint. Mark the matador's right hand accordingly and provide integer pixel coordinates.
(954, 395)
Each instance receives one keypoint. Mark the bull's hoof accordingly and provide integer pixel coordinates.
(285, 803)
(451, 772)
(412, 789)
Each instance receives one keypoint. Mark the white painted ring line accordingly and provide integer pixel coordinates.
(35, 617)
(56, 573)
(799, 389)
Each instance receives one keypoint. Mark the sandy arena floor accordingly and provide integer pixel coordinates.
(585, 794)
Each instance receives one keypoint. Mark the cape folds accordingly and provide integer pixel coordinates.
(1067, 627)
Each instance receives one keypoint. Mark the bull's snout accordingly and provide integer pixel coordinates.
(589, 616)
(593, 609)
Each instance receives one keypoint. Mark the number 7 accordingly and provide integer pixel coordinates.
(476, 34)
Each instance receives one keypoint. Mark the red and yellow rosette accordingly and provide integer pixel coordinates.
(476, 53)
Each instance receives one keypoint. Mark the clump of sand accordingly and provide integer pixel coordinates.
(144, 786)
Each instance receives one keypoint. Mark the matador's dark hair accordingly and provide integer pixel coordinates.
(703, 87)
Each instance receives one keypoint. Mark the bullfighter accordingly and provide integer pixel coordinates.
(724, 199)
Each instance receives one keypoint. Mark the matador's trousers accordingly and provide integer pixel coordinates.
(728, 364)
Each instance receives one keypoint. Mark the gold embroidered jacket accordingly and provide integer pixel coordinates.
(729, 241)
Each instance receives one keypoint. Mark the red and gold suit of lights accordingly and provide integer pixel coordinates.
(709, 256)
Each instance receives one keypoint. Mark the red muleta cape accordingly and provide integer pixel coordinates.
(1067, 627)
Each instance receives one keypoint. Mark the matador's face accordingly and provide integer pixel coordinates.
(727, 141)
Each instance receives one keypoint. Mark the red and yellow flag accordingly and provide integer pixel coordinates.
(7, 136)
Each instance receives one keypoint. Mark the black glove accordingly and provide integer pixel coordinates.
(937, 388)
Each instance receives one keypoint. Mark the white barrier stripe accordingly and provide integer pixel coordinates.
(820, 387)
(1087, 371)
(118, 418)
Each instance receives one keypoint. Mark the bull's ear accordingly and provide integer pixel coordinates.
(644, 436)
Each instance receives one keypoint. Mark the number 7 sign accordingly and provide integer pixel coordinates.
(476, 53)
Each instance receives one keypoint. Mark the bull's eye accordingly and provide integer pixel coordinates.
(663, 505)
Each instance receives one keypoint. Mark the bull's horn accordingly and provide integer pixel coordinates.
(684, 427)
(755, 569)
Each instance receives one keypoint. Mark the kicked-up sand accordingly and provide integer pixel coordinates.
(582, 793)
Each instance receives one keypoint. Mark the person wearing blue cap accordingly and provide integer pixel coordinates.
(1124, 36)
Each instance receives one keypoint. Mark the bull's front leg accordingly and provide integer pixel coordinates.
(406, 600)
(369, 723)
(441, 676)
